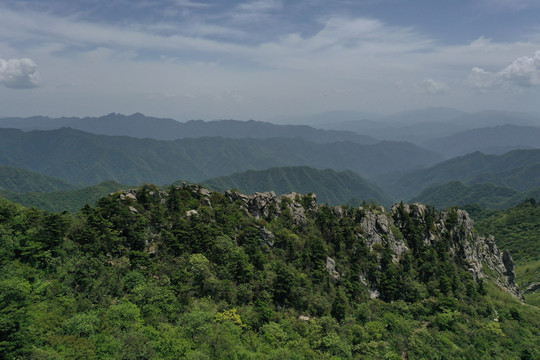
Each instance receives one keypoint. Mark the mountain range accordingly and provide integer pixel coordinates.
(331, 187)
(83, 158)
(487, 195)
(490, 140)
(516, 169)
(244, 151)
(419, 126)
(140, 126)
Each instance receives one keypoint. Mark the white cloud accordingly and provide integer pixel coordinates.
(523, 72)
(19, 73)
(433, 87)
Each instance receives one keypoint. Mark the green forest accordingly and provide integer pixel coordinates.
(185, 273)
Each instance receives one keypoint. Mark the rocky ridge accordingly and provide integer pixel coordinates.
(479, 255)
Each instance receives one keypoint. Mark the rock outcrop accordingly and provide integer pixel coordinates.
(468, 249)
(266, 204)
(378, 229)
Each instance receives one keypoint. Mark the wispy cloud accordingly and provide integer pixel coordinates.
(190, 4)
(433, 87)
(258, 6)
(257, 51)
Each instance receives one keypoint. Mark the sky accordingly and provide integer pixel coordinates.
(260, 59)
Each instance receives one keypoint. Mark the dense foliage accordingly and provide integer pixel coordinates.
(149, 278)
(331, 187)
(59, 201)
(518, 230)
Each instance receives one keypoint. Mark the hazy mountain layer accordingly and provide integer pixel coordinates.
(491, 140)
(511, 170)
(521, 178)
(422, 125)
(141, 126)
(456, 193)
(330, 186)
(80, 157)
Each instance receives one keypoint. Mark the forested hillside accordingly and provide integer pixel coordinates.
(19, 180)
(84, 158)
(516, 169)
(189, 273)
(59, 201)
(456, 193)
(332, 187)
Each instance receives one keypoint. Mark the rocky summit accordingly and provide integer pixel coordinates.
(402, 230)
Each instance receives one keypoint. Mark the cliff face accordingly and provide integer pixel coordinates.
(477, 254)
(404, 229)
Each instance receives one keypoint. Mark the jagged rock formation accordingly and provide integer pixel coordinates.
(397, 229)
(263, 205)
(465, 247)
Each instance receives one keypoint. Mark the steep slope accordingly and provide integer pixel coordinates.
(522, 178)
(20, 180)
(80, 157)
(141, 126)
(518, 230)
(456, 193)
(490, 140)
(475, 167)
(330, 186)
(68, 200)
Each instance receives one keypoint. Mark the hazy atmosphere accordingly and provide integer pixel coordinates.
(265, 58)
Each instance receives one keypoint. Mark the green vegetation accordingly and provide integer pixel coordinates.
(518, 231)
(148, 278)
(490, 196)
(58, 201)
(83, 158)
(331, 187)
(516, 170)
(20, 180)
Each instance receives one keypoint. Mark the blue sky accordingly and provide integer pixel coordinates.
(190, 59)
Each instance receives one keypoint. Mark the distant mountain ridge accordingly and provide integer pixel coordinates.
(332, 187)
(456, 193)
(83, 158)
(422, 125)
(141, 126)
(491, 140)
(516, 169)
